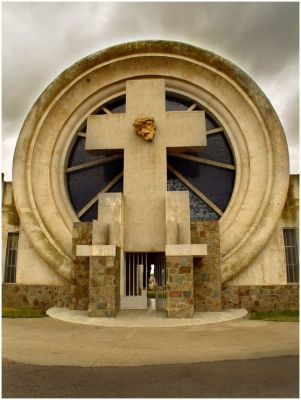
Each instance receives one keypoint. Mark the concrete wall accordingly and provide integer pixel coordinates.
(269, 267)
(10, 219)
(31, 268)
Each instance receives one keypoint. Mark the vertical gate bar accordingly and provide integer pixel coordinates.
(159, 269)
(136, 263)
(133, 266)
(162, 263)
(130, 269)
(126, 274)
(13, 265)
(145, 273)
(132, 277)
(133, 269)
(144, 267)
(160, 257)
(136, 268)
(137, 273)
(133, 272)
(162, 260)
(138, 277)
(129, 273)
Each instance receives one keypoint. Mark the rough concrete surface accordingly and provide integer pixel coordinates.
(51, 342)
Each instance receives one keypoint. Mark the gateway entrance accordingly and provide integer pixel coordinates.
(144, 280)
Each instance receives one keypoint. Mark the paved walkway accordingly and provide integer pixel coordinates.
(47, 341)
(263, 378)
(144, 318)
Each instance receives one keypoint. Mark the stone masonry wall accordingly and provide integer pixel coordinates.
(34, 296)
(262, 298)
(207, 270)
(104, 286)
(179, 284)
(81, 234)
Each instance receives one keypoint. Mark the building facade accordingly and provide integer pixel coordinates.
(151, 170)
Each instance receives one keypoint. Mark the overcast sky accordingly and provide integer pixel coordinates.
(40, 40)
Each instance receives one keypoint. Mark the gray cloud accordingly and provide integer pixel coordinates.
(42, 39)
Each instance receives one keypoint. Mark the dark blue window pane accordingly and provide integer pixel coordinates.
(117, 106)
(217, 149)
(211, 123)
(215, 183)
(79, 155)
(118, 187)
(92, 213)
(84, 185)
(174, 104)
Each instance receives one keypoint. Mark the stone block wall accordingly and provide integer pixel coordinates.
(179, 286)
(104, 286)
(207, 270)
(262, 298)
(35, 296)
(81, 234)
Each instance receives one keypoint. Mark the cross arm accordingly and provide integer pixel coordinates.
(185, 130)
(106, 131)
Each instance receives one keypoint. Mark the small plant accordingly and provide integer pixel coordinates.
(151, 294)
(277, 316)
(9, 312)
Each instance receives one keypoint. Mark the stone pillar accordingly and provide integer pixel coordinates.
(104, 286)
(180, 303)
(79, 291)
(207, 270)
(179, 253)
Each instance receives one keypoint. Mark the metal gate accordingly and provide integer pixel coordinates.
(136, 277)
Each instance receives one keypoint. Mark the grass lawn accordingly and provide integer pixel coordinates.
(8, 312)
(280, 316)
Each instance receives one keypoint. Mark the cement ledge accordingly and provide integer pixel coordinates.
(144, 318)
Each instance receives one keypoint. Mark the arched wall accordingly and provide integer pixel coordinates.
(253, 128)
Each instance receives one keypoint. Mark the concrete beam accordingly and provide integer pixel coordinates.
(195, 250)
(95, 250)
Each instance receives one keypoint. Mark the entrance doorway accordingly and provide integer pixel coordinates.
(144, 281)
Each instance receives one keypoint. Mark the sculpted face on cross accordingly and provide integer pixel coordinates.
(145, 127)
(145, 161)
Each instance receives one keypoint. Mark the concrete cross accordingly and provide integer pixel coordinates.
(145, 163)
